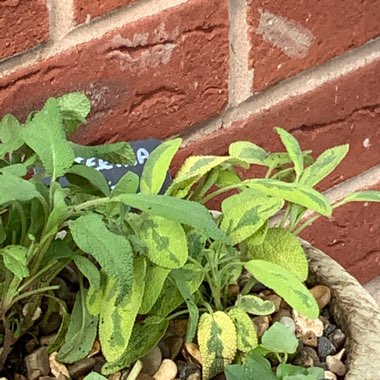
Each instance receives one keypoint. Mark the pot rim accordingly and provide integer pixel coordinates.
(355, 311)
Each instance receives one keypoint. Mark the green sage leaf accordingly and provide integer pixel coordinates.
(178, 210)
(245, 213)
(286, 285)
(44, 134)
(293, 149)
(81, 332)
(324, 165)
(293, 192)
(279, 338)
(157, 165)
(15, 260)
(113, 252)
(282, 247)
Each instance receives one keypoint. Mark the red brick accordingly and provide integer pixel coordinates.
(305, 33)
(90, 8)
(351, 237)
(23, 25)
(346, 110)
(153, 78)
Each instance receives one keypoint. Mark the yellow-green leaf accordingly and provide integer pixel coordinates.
(165, 241)
(254, 305)
(286, 285)
(245, 330)
(217, 343)
(248, 152)
(157, 165)
(191, 171)
(293, 192)
(293, 149)
(154, 282)
(245, 213)
(282, 247)
(324, 165)
(116, 321)
(363, 196)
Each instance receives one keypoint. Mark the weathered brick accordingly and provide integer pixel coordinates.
(346, 110)
(84, 9)
(152, 78)
(351, 237)
(23, 25)
(290, 36)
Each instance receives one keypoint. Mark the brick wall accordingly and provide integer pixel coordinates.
(214, 71)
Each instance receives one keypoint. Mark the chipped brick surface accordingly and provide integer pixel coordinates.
(88, 9)
(343, 111)
(290, 36)
(153, 78)
(23, 25)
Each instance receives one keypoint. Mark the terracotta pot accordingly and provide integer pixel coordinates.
(355, 311)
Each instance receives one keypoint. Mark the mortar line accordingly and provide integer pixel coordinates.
(86, 32)
(61, 17)
(240, 75)
(299, 84)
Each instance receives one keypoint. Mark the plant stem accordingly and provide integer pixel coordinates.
(22, 221)
(285, 217)
(177, 314)
(221, 191)
(33, 292)
(248, 286)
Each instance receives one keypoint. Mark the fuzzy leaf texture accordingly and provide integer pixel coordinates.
(324, 165)
(217, 343)
(293, 192)
(14, 188)
(74, 107)
(81, 332)
(245, 213)
(154, 282)
(113, 252)
(282, 247)
(280, 339)
(258, 237)
(157, 165)
(178, 210)
(165, 241)
(293, 149)
(117, 319)
(10, 130)
(193, 169)
(44, 134)
(116, 153)
(254, 305)
(245, 330)
(15, 260)
(286, 285)
(144, 337)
